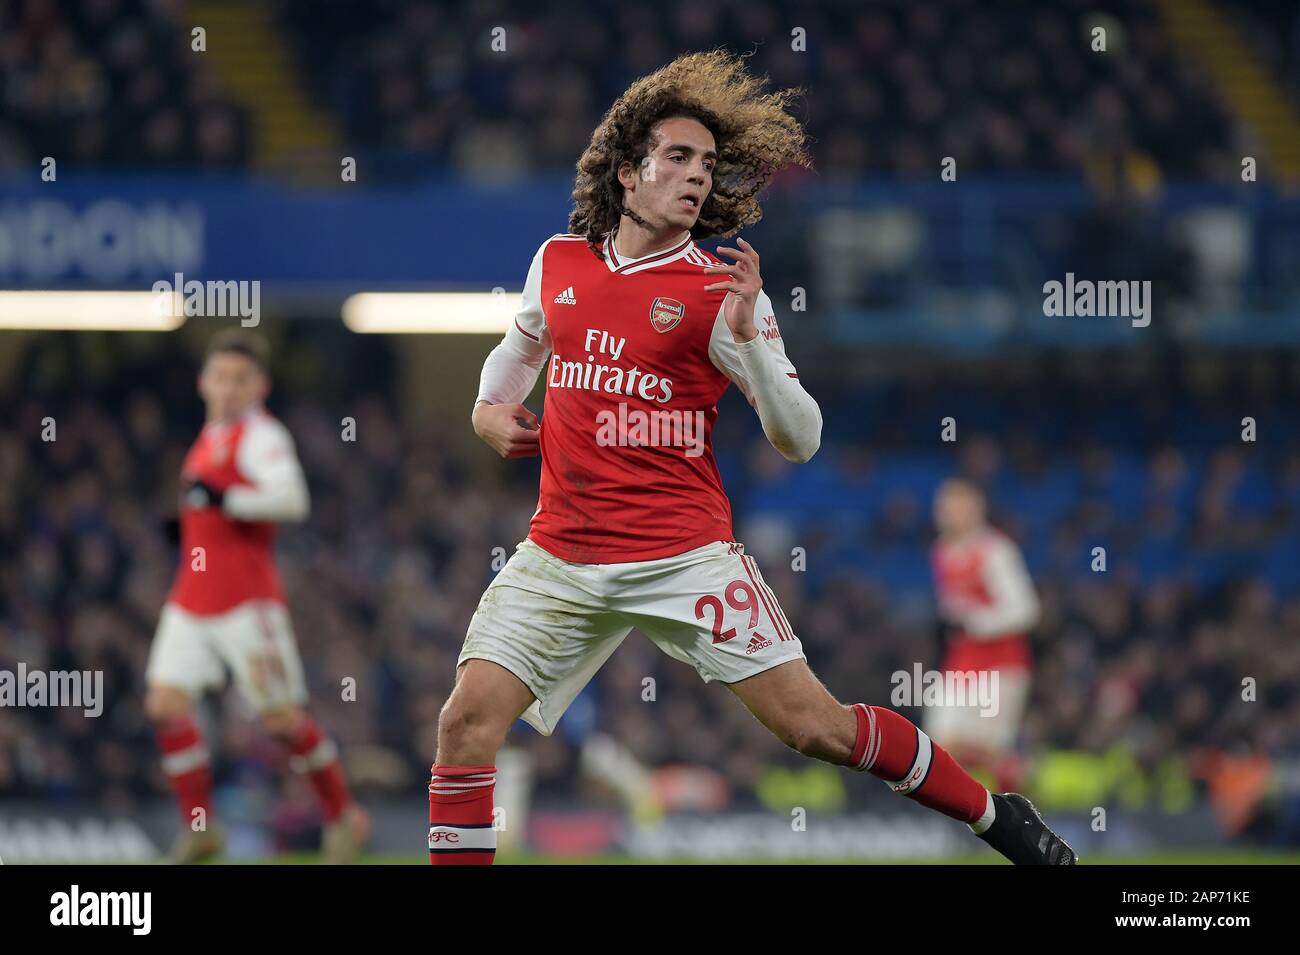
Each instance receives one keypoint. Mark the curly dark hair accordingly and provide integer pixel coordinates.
(755, 135)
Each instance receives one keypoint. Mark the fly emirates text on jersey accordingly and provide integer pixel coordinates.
(623, 426)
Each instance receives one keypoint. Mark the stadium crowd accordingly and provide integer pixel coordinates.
(1200, 589)
(101, 82)
(1012, 87)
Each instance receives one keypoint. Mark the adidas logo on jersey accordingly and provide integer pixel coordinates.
(566, 297)
(757, 642)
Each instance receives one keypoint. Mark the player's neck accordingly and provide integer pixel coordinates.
(212, 418)
(633, 241)
(964, 536)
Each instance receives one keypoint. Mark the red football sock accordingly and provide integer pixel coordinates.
(316, 756)
(188, 766)
(460, 815)
(891, 747)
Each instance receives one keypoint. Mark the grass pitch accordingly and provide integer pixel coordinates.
(1229, 857)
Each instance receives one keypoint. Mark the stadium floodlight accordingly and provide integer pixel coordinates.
(443, 313)
(88, 311)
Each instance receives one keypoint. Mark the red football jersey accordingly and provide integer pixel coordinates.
(237, 559)
(638, 352)
(986, 591)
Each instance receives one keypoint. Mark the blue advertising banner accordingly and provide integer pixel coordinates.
(875, 262)
(128, 232)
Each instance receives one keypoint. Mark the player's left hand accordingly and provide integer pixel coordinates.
(744, 284)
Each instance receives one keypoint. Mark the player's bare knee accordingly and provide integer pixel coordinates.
(165, 704)
(810, 737)
(466, 727)
(462, 726)
(803, 739)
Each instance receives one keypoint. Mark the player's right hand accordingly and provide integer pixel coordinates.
(511, 430)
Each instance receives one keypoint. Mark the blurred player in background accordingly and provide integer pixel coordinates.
(987, 604)
(644, 333)
(226, 608)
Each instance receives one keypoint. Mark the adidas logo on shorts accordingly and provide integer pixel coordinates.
(757, 642)
(566, 297)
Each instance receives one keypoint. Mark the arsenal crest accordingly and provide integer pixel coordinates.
(666, 313)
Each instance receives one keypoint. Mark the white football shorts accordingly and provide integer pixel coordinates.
(957, 727)
(254, 640)
(553, 623)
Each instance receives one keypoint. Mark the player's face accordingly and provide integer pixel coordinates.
(676, 178)
(229, 384)
(957, 509)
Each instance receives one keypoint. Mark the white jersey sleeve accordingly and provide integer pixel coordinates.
(511, 369)
(791, 418)
(266, 457)
(1015, 606)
